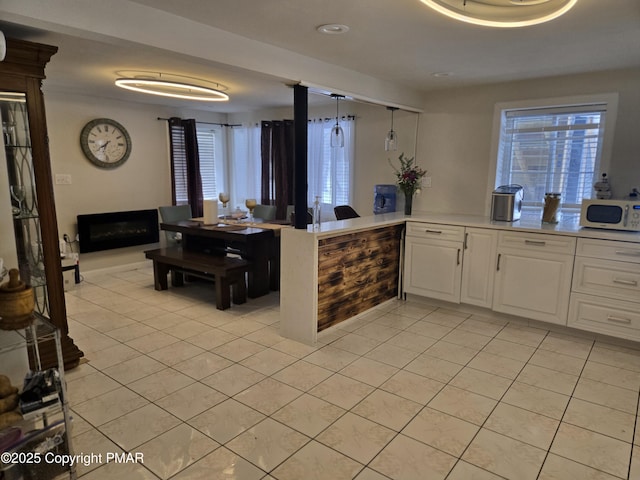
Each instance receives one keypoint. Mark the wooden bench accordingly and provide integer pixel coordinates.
(228, 272)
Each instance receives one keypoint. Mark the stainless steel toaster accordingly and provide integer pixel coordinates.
(506, 203)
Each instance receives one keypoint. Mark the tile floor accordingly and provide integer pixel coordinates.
(409, 391)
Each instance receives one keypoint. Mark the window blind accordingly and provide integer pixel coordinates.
(207, 153)
(552, 150)
(179, 164)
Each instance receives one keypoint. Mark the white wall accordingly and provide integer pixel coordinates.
(454, 141)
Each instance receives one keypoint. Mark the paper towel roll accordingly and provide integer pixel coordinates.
(210, 211)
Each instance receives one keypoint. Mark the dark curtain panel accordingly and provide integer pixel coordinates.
(277, 165)
(185, 164)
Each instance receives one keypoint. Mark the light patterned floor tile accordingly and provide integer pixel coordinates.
(482, 383)
(356, 344)
(191, 400)
(160, 384)
(558, 361)
(387, 409)
(490, 363)
(139, 426)
(94, 441)
(238, 349)
(467, 339)
(134, 369)
(202, 365)
(308, 414)
(441, 431)
(548, 379)
(342, 391)
(268, 361)
(118, 471)
(466, 405)
(434, 368)
(607, 395)
(567, 345)
(369, 371)
(233, 380)
(452, 352)
(111, 405)
(514, 351)
(152, 341)
(412, 341)
(90, 386)
(356, 437)
(303, 375)
(523, 425)
(268, 395)
(267, 444)
(331, 358)
(466, 471)
(504, 456)
(605, 420)
(592, 449)
(226, 420)
(221, 464)
(392, 355)
(176, 353)
(618, 377)
(560, 468)
(538, 400)
(405, 458)
(412, 386)
(175, 450)
(315, 461)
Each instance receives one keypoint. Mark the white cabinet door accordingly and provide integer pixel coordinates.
(478, 266)
(535, 285)
(433, 268)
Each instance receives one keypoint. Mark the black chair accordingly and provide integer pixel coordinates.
(344, 212)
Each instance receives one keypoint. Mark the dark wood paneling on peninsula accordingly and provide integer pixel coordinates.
(357, 271)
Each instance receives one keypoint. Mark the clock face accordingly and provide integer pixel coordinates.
(105, 143)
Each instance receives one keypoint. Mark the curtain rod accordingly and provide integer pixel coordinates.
(209, 123)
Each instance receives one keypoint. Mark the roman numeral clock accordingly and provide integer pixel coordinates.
(105, 143)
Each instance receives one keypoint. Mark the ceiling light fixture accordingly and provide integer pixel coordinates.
(502, 13)
(333, 29)
(391, 141)
(173, 89)
(337, 134)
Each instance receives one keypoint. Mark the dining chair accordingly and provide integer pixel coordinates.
(291, 215)
(174, 213)
(344, 212)
(265, 212)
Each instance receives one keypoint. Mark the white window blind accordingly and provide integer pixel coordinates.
(208, 156)
(552, 150)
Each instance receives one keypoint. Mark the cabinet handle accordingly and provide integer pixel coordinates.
(458, 261)
(535, 242)
(466, 238)
(628, 253)
(633, 283)
(612, 318)
(498, 266)
(438, 232)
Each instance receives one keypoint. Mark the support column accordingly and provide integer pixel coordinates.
(300, 122)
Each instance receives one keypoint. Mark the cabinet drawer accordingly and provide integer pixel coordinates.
(609, 249)
(537, 242)
(436, 231)
(607, 278)
(610, 317)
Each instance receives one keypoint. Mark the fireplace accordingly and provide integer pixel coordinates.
(105, 231)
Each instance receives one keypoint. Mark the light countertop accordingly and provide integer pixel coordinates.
(530, 222)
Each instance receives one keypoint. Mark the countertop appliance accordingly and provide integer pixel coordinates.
(506, 203)
(611, 214)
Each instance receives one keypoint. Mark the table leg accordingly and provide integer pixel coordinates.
(160, 272)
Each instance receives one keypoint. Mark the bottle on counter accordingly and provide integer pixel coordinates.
(551, 211)
(316, 214)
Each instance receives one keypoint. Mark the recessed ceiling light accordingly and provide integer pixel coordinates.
(441, 74)
(502, 13)
(333, 29)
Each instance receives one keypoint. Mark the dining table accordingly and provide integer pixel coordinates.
(256, 242)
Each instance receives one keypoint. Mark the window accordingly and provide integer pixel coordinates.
(553, 149)
(210, 146)
(330, 170)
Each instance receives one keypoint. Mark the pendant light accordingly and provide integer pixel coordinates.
(391, 142)
(337, 134)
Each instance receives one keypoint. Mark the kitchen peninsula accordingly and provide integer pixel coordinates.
(583, 278)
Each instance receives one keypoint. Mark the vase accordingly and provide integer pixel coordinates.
(408, 204)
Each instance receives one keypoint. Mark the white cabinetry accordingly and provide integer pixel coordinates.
(605, 294)
(433, 260)
(478, 265)
(533, 275)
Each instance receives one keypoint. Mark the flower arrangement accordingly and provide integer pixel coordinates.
(409, 175)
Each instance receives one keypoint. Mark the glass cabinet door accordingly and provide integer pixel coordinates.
(21, 192)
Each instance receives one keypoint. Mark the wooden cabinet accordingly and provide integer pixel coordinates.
(533, 275)
(28, 167)
(478, 266)
(605, 294)
(433, 260)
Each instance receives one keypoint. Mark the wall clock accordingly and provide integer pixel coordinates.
(105, 143)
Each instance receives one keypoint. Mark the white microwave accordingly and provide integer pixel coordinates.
(611, 214)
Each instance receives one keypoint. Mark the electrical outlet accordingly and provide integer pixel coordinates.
(427, 182)
(63, 179)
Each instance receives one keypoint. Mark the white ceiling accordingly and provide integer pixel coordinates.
(399, 43)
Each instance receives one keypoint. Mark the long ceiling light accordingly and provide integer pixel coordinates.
(173, 89)
(502, 13)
